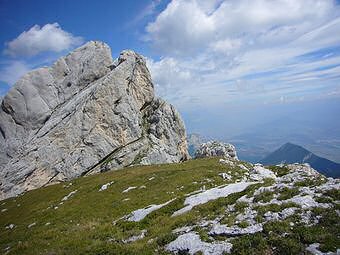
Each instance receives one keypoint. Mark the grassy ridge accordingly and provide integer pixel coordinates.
(83, 224)
(88, 222)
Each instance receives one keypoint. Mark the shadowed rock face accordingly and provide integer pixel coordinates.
(85, 114)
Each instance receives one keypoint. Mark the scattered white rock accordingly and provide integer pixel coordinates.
(140, 214)
(136, 237)
(307, 202)
(150, 241)
(142, 187)
(105, 186)
(330, 184)
(308, 219)
(128, 189)
(304, 169)
(219, 229)
(259, 173)
(47, 223)
(212, 194)
(151, 178)
(65, 198)
(243, 167)
(245, 199)
(10, 226)
(68, 185)
(225, 176)
(263, 189)
(192, 243)
(227, 162)
(338, 212)
(126, 199)
(248, 215)
(32, 225)
(185, 229)
(271, 216)
(4, 210)
(288, 212)
(314, 249)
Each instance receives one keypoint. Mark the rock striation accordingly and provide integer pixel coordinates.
(216, 149)
(87, 113)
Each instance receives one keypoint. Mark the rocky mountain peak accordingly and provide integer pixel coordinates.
(216, 149)
(86, 113)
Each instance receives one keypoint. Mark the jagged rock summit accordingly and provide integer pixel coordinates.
(216, 149)
(85, 114)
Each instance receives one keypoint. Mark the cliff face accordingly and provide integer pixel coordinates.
(85, 114)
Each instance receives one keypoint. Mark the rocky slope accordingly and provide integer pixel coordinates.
(85, 114)
(201, 206)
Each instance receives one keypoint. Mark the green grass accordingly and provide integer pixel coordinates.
(279, 171)
(264, 196)
(287, 193)
(88, 223)
(243, 224)
(261, 210)
(310, 182)
(83, 224)
(333, 193)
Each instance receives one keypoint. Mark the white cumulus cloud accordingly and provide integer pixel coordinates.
(50, 37)
(219, 50)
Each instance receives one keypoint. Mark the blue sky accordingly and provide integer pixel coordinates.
(232, 59)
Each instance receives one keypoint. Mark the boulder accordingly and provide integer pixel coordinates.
(216, 149)
(85, 114)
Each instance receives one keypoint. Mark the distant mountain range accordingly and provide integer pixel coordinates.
(319, 134)
(292, 153)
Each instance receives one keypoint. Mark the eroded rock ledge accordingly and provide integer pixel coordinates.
(85, 114)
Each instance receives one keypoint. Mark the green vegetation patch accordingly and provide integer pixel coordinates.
(287, 193)
(261, 210)
(279, 170)
(333, 193)
(326, 232)
(264, 196)
(311, 182)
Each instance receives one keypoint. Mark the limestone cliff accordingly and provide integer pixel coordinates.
(85, 114)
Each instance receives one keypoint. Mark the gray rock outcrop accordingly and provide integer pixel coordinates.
(216, 149)
(194, 141)
(85, 114)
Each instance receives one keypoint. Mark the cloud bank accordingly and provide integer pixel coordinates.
(217, 52)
